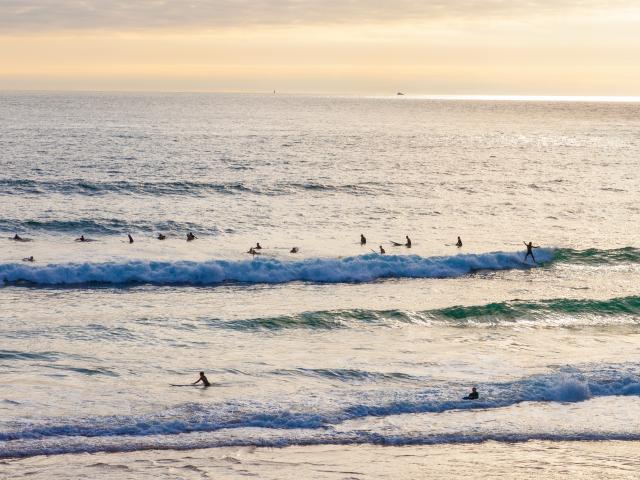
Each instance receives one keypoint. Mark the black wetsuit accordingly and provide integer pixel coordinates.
(472, 396)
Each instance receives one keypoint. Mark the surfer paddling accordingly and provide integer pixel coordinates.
(530, 246)
(203, 378)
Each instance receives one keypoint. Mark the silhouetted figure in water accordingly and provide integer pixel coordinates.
(257, 247)
(294, 250)
(408, 244)
(253, 251)
(130, 238)
(382, 250)
(474, 395)
(28, 259)
(202, 379)
(459, 243)
(363, 240)
(17, 238)
(530, 246)
(161, 236)
(191, 237)
(81, 239)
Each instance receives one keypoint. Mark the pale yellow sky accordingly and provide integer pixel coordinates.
(566, 47)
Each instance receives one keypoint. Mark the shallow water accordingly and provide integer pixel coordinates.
(334, 345)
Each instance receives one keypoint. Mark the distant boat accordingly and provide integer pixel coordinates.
(399, 93)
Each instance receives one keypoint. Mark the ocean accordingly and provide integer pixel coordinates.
(335, 361)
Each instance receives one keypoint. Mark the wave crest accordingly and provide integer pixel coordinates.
(365, 268)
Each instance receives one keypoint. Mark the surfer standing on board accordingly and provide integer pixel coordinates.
(203, 379)
(530, 246)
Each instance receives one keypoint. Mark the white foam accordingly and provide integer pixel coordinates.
(363, 268)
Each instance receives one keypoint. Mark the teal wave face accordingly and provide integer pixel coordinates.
(562, 311)
(594, 256)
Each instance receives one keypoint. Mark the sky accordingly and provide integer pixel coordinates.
(377, 47)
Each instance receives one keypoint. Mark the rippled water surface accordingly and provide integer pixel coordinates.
(335, 352)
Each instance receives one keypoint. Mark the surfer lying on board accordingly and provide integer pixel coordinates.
(530, 246)
(18, 238)
(82, 239)
(28, 259)
(202, 379)
(474, 395)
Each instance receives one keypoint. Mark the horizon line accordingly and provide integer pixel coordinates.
(399, 95)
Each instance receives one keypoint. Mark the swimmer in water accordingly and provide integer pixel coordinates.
(530, 246)
(474, 395)
(130, 238)
(28, 259)
(294, 250)
(382, 250)
(202, 379)
(191, 237)
(161, 236)
(459, 243)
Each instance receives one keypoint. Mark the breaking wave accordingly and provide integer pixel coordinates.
(291, 422)
(365, 268)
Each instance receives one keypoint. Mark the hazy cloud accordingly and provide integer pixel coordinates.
(33, 16)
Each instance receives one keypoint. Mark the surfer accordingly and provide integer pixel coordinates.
(363, 240)
(257, 247)
(474, 395)
(202, 379)
(530, 246)
(294, 250)
(130, 238)
(191, 237)
(253, 251)
(161, 236)
(382, 250)
(398, 244)
(81, 239)
(17, 238)
(459, 243)
(28, 259)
